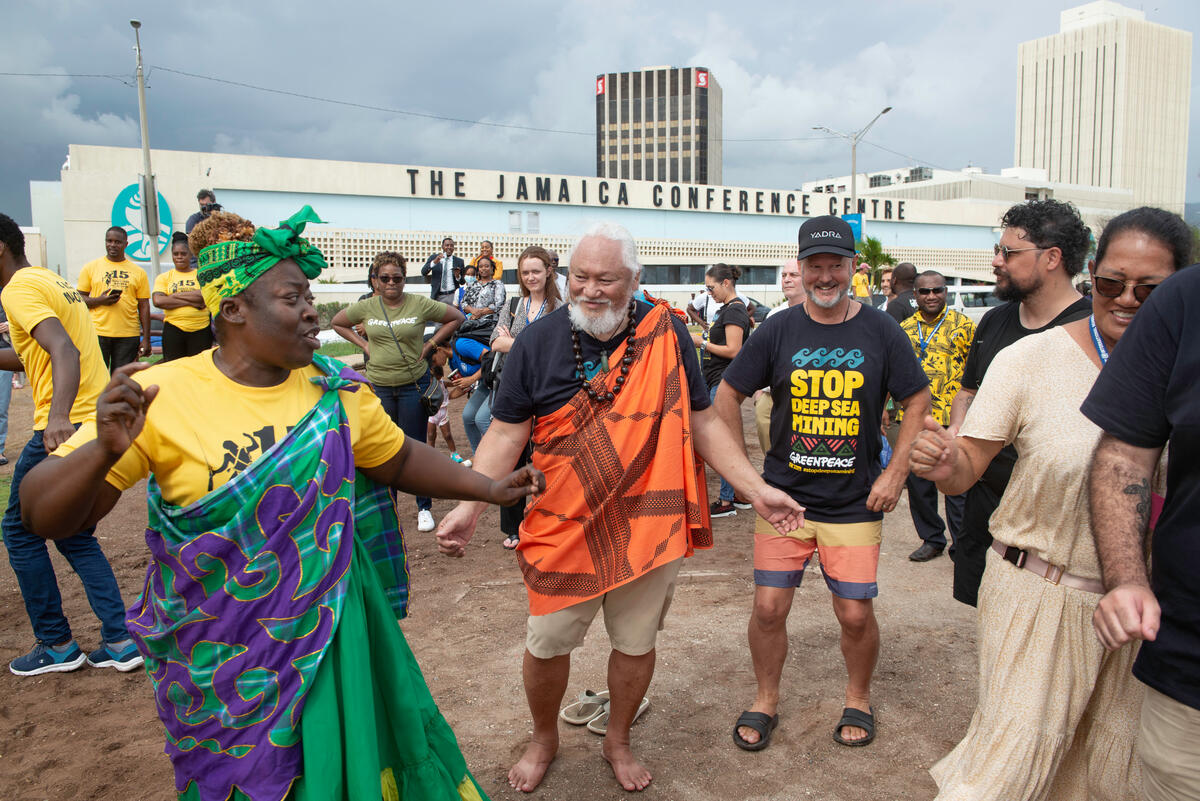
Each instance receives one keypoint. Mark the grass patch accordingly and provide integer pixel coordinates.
(5, 483)
(339, 349)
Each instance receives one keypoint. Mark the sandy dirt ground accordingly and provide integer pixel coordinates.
(94, 734)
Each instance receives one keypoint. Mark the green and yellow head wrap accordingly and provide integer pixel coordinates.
(228, 268)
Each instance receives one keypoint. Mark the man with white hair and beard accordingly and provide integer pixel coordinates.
(611, 391)
(829, 363)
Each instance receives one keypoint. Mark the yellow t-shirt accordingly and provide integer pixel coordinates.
(862, 285)
(185, 318)
(947, 343)
(499, 266)
(35, 294)
(203, 428)
(102, 276)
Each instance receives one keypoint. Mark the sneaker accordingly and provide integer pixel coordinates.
(125, 660)
(466, 463)
(44, 659)
(3, 459)
(721, 509)
(425, 521)
(454, 457)
(742, 503)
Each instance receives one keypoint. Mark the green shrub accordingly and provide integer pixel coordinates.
(326, 311)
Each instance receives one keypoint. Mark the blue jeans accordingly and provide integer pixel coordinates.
(726, 495)
(477, 415)
(30, 560)
(6, 379)
(403, 405)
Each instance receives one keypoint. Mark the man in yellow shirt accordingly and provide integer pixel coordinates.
(862, 282)
(941, 338)
(117, 292)
(55, 344)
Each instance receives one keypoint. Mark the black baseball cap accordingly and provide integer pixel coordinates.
(826, 234)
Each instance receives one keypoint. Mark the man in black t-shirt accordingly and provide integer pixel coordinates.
(829, 363)
(618, 413)
(904, 305)
(1041, 250)
(1145, 398)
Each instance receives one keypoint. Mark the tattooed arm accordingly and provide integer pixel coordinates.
(1119, 499)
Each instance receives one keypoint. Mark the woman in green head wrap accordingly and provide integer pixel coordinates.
(268, 617)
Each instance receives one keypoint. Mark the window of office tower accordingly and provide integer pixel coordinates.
(637, 97)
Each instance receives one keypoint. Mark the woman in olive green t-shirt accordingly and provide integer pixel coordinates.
(399, 369)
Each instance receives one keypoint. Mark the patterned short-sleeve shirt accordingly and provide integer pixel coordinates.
(942, 346)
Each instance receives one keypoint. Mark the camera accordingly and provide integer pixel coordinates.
(209, 208)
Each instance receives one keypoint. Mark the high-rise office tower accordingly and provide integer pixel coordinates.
(659, 124)
(1104, 102)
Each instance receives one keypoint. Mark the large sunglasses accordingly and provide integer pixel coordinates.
(1112, 288)
(1004, 251)
(390, 279)
(931, 290)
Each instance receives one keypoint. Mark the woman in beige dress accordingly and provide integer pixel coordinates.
(1058, 714)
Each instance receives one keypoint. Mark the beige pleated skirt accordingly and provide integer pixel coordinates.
(1058, 715)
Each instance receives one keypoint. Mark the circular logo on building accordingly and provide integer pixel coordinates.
(127, 214)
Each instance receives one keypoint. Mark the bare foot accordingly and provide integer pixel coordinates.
(751, 735)
(527, 774)
(629, 772)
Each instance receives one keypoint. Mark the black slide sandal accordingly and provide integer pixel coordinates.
(762, 723)
(856, 717)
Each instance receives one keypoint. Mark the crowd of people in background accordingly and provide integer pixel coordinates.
(1039, 467)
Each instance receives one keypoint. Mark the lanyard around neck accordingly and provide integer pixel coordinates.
(1101, 348)
(923, 341)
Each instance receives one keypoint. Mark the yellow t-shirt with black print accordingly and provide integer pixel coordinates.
(101, 276)
(33, 295)
(185, 318)
(948, 343)
(203, 428)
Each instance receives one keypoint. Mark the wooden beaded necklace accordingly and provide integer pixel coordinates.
(626, 361)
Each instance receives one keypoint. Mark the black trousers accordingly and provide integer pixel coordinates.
(511, 517)
(923, 503)
(119, 351)
(177, 343)
(971, 548)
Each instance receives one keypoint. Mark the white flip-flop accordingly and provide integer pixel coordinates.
(587, 707)
(599, 724)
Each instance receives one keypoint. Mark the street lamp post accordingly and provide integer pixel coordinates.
(149, 192)
(854, 139)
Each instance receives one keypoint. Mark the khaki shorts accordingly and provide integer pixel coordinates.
(633, 615)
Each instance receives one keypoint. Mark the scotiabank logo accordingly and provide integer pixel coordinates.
(826, 235)
(702, 79)
(600, 85)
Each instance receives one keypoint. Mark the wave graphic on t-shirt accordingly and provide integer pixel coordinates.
(824, 357)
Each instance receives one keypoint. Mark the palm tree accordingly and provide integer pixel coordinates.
(871, 253)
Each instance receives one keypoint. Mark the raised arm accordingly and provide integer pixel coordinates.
(497, 453)
(1119, 500)
(953, 463)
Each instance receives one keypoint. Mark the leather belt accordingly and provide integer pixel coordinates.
(1040, 567)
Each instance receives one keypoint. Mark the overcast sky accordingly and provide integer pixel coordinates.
(947, 67)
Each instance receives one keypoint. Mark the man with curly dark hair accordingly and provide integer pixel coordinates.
(1043, 246)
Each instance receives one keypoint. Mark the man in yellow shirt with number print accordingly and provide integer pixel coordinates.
(941, 338)
(117, 292)
(55, 344)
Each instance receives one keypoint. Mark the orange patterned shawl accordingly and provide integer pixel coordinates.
(625, 490)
